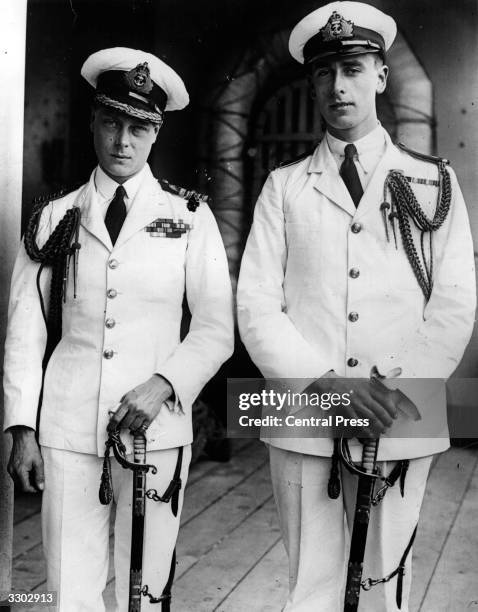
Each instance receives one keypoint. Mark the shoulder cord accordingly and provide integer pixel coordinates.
(404, 206)
(56, 252)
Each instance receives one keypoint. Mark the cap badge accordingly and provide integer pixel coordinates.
(138, 78)
(337, 28)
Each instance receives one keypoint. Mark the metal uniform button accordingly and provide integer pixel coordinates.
(352, 362)
(113, 264)
(108, 354)
(356, 228)
(111, 293)
(110, 323)
(354, 273)
(353, 316)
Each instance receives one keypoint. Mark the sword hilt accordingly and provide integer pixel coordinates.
(369, 456)
(139, 448)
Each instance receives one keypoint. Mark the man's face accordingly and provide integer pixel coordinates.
(122, 143)
(345, 90)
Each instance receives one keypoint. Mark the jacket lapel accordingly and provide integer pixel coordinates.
(373, 195)
(91, 217)
(146, 207)
(328, 181)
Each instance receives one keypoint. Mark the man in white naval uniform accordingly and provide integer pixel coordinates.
(119, 351)
(327, 293)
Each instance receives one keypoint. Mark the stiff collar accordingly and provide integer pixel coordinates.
(371, 141)
(369, 149)
(106, 186)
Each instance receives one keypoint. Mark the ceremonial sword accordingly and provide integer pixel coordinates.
(139, 468)
(365, 488)
(171, 495)
(367, 474)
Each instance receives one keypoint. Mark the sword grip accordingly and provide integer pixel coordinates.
(139, 448)
(369, 456)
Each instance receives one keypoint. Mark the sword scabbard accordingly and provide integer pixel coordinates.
(360, 526)
(137, 524)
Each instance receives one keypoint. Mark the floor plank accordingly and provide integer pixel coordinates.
(445, 489)
(210, 527)
(207, 584)
(26, 505)
(264, 588)
(200, 494)
(454, 583)
(29, 570)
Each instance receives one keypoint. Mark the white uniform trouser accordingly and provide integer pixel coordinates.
(76, 528)
(315, 530)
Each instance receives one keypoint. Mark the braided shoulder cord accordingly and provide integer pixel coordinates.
(405, 207)
(56, 253)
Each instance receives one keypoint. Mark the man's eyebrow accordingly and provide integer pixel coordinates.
(352, 62)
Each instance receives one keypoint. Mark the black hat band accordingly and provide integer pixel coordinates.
(119, 85)
(316, 47)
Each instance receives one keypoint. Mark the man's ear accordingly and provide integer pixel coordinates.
(382, 78)
(156, 127)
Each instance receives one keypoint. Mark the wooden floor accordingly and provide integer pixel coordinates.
(231, 558)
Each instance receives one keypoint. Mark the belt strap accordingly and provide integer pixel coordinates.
(399, 572)
(399, 471)
(172, 491)
(401, 569)
(333, 487)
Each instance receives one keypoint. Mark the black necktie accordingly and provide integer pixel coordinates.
(349, 174)
(116, 214)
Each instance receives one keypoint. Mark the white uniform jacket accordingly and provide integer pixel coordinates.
(129, 300)
(312, 259)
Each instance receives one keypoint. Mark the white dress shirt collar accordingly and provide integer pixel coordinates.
(106, 186)
(369, 148)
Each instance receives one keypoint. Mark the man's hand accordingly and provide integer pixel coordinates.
(26, 464)
(141, 405)
(369, 399)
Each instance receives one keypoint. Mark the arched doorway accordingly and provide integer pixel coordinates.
(260, 114)
(286, 126)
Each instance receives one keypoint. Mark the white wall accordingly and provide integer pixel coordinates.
(12, 78)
